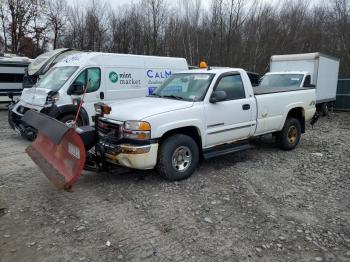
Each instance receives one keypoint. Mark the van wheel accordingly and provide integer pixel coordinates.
(69, 120)
(178, 157)
(325, 109)
(289, 137)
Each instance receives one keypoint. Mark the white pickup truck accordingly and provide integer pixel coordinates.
(199, 114)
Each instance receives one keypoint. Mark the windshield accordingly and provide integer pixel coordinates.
(282, 80)
(189, 87)
(56, 77)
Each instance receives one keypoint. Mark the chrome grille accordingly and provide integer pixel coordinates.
(109, 132)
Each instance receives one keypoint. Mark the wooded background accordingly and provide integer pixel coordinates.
(238, 33)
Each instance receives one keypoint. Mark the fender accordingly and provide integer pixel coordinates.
(57, 111)
(196, 123)
(289, 108)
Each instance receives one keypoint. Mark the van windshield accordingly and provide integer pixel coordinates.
(282, 80)
(189, 87)
(55, 78)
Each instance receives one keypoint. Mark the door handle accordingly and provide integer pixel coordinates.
(246, 107)
(102, 95)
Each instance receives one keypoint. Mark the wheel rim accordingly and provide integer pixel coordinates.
(292, 134)
(182, 158)
(69, 123)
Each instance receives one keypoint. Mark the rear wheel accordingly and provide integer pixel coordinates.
(325, 109)
(178, 157)
(69, 120)
(289, 137)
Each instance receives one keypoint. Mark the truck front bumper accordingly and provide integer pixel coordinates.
(18, 109)
(133, 156)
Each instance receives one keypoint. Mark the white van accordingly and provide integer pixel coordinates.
(111, 77)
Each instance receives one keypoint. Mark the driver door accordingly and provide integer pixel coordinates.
(229, 120)
(94, 91)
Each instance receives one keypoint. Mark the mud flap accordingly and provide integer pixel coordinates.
(58, 150)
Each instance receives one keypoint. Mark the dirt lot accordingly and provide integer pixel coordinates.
(260, 205)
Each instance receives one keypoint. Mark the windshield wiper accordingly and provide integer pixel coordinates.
(174, 96)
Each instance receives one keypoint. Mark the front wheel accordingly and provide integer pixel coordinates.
(178, 157)
(289, 137)
(69, 120)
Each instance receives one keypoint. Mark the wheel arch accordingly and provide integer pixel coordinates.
(72, 109)
(191, 131)
(298, 113)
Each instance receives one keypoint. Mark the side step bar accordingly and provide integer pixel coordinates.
(226, 149)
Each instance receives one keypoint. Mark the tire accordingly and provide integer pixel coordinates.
(69, 118)
(325, 109)
(288, 138)
(170, 168)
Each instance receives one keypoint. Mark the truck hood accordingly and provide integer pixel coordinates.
(141, 108)
(35, 96)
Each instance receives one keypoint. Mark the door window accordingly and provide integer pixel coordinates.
(94, 78)
(233, 86)
(93, 75)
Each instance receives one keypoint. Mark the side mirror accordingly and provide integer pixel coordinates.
(218, 96)
(76, 89)
(310, 86)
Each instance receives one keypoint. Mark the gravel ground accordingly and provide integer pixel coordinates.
(260, 205)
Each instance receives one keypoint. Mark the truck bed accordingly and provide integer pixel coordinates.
(273, 105)
(258, 90)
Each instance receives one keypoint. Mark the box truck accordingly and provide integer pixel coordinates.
(12, 70)
(306, 70)
(107, 77)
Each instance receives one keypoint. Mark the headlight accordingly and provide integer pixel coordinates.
(137, 130)
(52, 98)
(56, 97)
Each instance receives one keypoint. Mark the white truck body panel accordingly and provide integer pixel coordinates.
(323, 70)
(136, 76)
(12, 71)
(272, 112)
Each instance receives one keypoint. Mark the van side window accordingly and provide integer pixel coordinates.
(233, 86)
(307, 81)
(93, 75)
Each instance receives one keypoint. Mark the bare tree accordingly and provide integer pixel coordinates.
(155, 14)
(56, 16)
(4, 22)
(239, 33)
(21, 13)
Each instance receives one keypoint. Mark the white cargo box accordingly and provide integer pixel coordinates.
(323, 69)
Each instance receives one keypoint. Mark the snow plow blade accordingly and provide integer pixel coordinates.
(58, 150)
